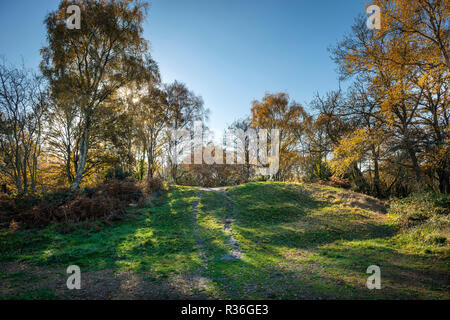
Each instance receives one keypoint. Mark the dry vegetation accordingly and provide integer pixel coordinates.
(106, 202)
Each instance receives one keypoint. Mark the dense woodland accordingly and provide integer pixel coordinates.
(97, 109)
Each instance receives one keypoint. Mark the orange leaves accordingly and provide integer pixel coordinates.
(350, 150)
(275, 111)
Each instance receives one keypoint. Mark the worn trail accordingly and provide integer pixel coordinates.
(235, 252)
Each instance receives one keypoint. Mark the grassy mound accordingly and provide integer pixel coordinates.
(298, 241)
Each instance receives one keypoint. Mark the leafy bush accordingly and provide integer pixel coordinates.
(424, 218)
(154, 185)
(431, 234)
(336, 182)
(117, 173)
(125, 190)
(106, 202)
(8, 210)
(417, 208)
(59, 196)
(314, 170)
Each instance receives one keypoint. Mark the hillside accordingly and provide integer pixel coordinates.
(263, 240)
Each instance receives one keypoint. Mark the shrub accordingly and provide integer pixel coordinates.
(314, 170)
(433, 233)
(117, 173)
(106, 202)
(8, 210)
(100, 206)
(59, 196)
(125, 190)
(79, 208)
(336, 182)
(154, 185)
(11, 207)
(424, 218)
(417, 208)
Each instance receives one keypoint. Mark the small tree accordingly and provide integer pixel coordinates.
(93, 62)
(23, 101)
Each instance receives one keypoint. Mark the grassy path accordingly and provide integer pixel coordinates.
(255, 241)
(235, 251)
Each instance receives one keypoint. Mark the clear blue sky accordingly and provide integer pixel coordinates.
(229, 52)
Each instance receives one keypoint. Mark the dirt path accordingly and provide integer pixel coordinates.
(198, 241)
(235, 252)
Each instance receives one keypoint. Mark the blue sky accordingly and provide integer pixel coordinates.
(229, 52)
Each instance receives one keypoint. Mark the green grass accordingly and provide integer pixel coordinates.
(159, 239)
(40, 294)
(298, 241)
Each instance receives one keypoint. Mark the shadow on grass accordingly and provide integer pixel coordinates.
(274, 221)
(292, 217)
(294, 246)
(403, 274)
(158, 244)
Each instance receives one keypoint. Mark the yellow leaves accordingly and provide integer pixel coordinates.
(352, 149)
(276, 111)
(402, 56)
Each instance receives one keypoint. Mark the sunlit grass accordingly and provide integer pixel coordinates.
(298, 242)
(159, 240)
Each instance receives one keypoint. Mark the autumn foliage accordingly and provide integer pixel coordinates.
(98, 111)
(106, 202)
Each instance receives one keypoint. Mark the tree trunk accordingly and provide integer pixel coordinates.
(358, 178)
(150, 161)
(84, 147)
(19, 178)
(444, 179)
(34, 174)
(416, 168)
(68, 166)
(247, 165)
(376, 172)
